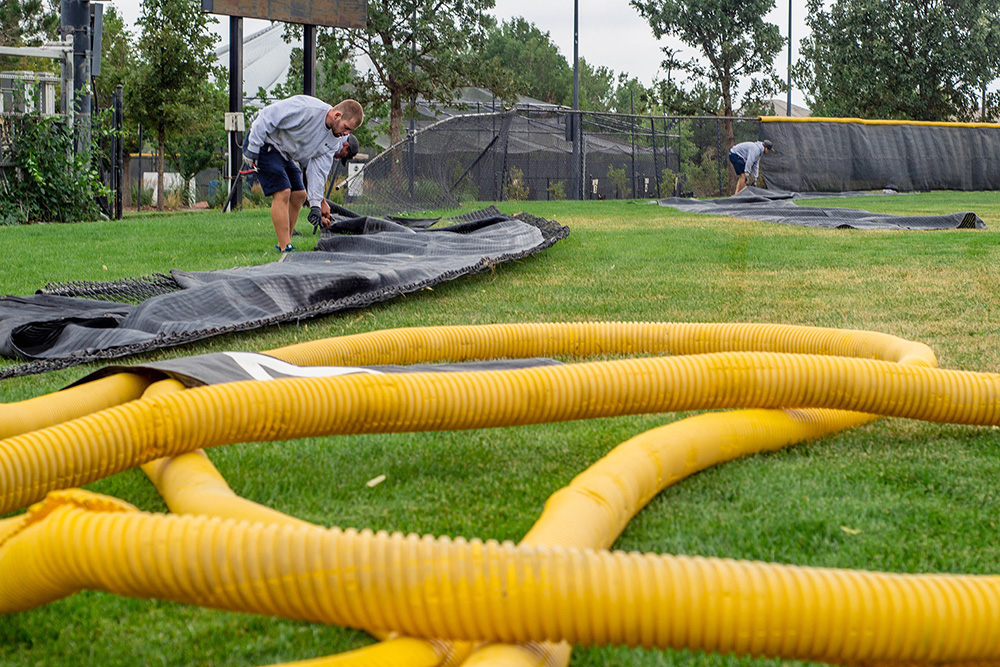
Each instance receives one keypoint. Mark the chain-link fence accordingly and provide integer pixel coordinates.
(528, 154)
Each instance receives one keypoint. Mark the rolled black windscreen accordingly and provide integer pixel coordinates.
(370, 260)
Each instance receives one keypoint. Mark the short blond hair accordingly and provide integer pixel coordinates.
(351, 110)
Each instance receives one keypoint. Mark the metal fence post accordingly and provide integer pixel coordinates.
(718, 161)
(76, 22)
(656, 167)
(235, 106)
(138, 189)
(117, 177)
(680, 127)
(631, 126)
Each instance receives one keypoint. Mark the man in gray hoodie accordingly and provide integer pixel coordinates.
(301, 133)
(745, 158)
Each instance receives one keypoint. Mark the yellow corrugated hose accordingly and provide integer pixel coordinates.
(190, 484)
(90, 448)
(42, 411)
(553, 587)
(427, 587)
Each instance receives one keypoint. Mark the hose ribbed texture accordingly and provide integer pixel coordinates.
(90, 448)
(429, 587)
(586, 339)
(593, 510)
(42, 411)
(535, 593)
(191, 484)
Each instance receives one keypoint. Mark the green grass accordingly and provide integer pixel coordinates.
(896, 495)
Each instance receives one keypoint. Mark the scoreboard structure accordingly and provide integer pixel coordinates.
(332, 13)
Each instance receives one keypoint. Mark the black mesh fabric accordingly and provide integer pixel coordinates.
(222, 367)
(836, 155)
(779, 206)
(527, 154)
(375, 261)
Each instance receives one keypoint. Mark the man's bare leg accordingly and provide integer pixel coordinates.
(280, 206)
(295, 202)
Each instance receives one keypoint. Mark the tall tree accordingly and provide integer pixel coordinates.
(733, 38)
(28, 22)
(630, 96)
(905, 59)
(419, 48)
(334, 65)
(672, 99)
(531, 59)
(597, 87)
(176, 56)
(118, 66)
(198, 145)
(335, 73)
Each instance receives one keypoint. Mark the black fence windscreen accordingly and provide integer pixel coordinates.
(838, 155)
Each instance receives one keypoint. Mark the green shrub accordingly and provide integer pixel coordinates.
(427, 191)
(49, 182)
(619, 179)
(255, 195)
(557, 190)
(11, 213)
(515, 189)
(465, 189)
(146, 195)
(174, 197)
(218, 195)
(337, 196)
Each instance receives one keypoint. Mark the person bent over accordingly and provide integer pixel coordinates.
(300, 133)
(745, 158)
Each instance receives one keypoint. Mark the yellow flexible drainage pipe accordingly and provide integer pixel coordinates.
(191, 484)
(626, 519)
(459, 589)
(390, 653)
(41, 411)
(596, 506)
(496, 341)
(587, 339)
(9, 526)
(119, 438)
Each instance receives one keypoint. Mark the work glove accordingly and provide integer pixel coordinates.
(250, 160)
(316, 219)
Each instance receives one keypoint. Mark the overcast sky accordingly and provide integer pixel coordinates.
(611, 32)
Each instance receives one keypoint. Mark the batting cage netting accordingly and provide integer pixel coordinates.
(530, 154)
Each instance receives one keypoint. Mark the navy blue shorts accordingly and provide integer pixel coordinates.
(739, 164)
(274, 172)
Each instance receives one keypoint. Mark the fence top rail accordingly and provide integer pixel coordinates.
(54, 50)
(567, 110)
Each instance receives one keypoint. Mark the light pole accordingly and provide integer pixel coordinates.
(788, 103)
(413, 100)
(577, 180)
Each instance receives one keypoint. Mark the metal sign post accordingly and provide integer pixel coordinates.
(235, 126)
